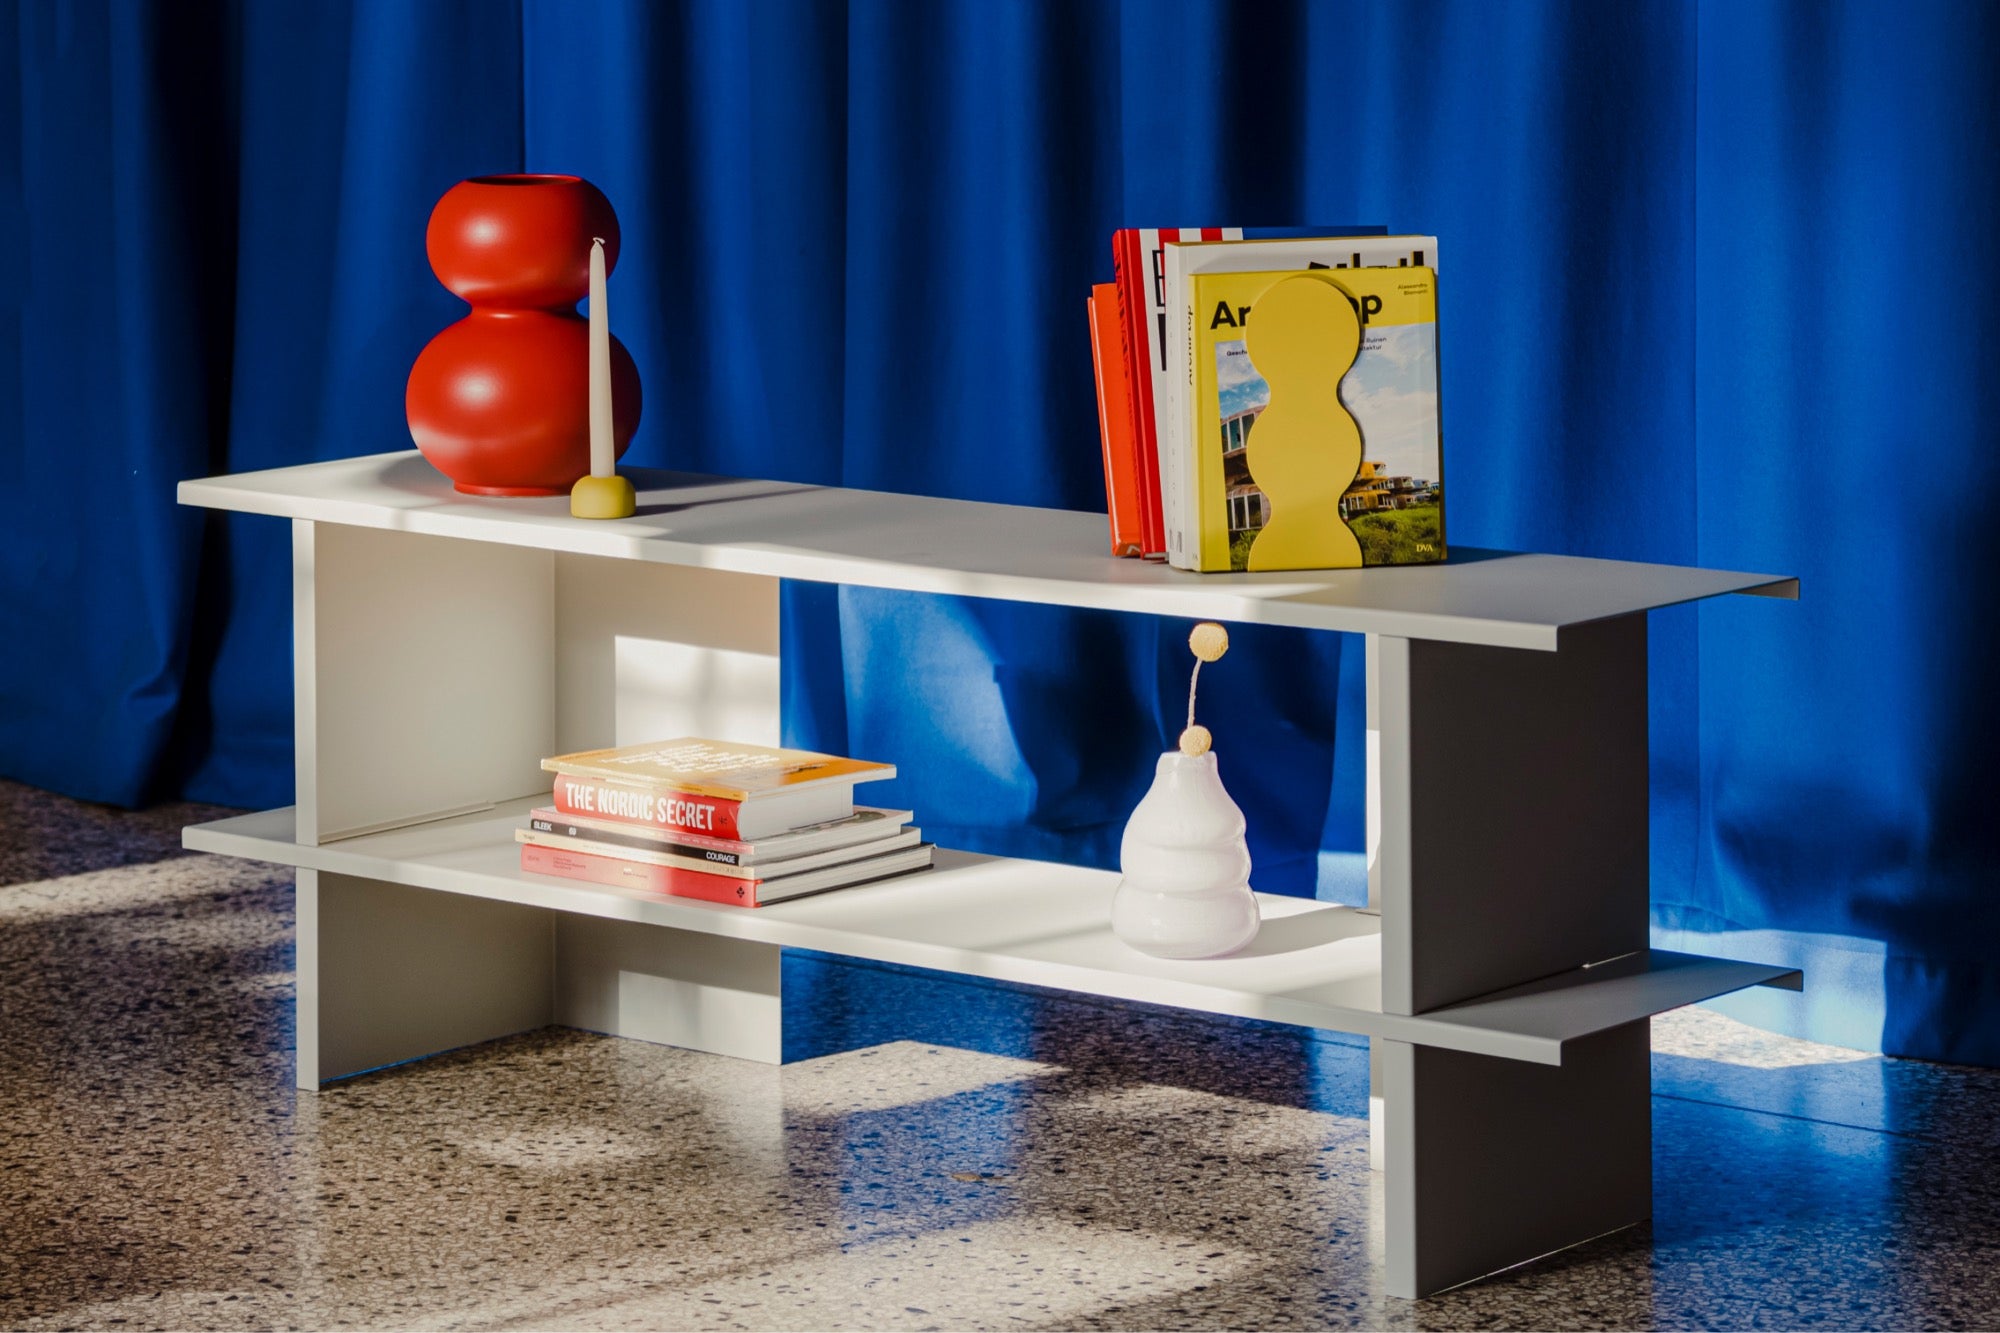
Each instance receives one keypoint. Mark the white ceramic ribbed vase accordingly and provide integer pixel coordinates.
(1186, 891)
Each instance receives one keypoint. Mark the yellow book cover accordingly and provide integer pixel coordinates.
(1387, 489)
(715, 768)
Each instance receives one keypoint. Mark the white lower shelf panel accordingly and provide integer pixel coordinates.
(1313, 964)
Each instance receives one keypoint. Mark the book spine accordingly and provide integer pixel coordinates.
(1128, 247)
(643, 841)
(1163, 324)
(1114, 422)
(1190, 552)
(676, 811)
(1182, 524)
(639, 875)
(1209, 538)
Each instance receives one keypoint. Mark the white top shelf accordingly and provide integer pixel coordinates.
(1314, 964)
(882, 540)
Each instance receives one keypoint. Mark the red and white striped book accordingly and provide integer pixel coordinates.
(671, 881)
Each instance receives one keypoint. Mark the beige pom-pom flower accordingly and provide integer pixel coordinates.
(1209, 641)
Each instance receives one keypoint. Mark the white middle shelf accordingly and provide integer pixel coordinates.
(1314, 964)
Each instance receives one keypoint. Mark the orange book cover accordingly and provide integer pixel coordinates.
(1114, 419)
(713, 768)
(1129, 264)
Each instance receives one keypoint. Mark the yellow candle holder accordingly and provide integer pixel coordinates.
(603, 497)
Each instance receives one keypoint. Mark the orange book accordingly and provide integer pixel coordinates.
(1114, 420)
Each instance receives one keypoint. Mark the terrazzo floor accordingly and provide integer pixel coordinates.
(1002, 1159)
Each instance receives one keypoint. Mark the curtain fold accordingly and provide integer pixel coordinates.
(1845, 407)
(117, 303)
(1709, 294)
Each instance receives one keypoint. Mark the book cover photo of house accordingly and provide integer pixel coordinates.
(1395, 503)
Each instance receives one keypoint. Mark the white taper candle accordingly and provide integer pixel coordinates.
(603, 453)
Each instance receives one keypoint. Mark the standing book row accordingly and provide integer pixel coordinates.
(1340, 386)
(745, 825)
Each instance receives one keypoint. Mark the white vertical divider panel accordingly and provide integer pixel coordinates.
(648, 652)
(305, 1004)
(424, 676)
(389, 973)
(1372, 810)
(1372, 841)
(702, 992)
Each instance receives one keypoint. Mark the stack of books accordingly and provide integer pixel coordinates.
(1178, 395)
(741, 824)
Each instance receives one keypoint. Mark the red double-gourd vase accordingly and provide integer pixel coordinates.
(500, 401)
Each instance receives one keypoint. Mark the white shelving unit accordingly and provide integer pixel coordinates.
(445, 643)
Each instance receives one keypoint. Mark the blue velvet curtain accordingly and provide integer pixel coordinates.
(1712, 293)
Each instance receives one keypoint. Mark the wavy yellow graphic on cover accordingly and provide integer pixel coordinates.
(1306, 449)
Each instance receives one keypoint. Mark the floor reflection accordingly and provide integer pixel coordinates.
(940, 1154)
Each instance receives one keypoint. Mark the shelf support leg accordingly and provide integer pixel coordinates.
(388, 973)
(1508, 842)
(1513, 794)
(423, 677)
(1372, 842)
(1492, 1163)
